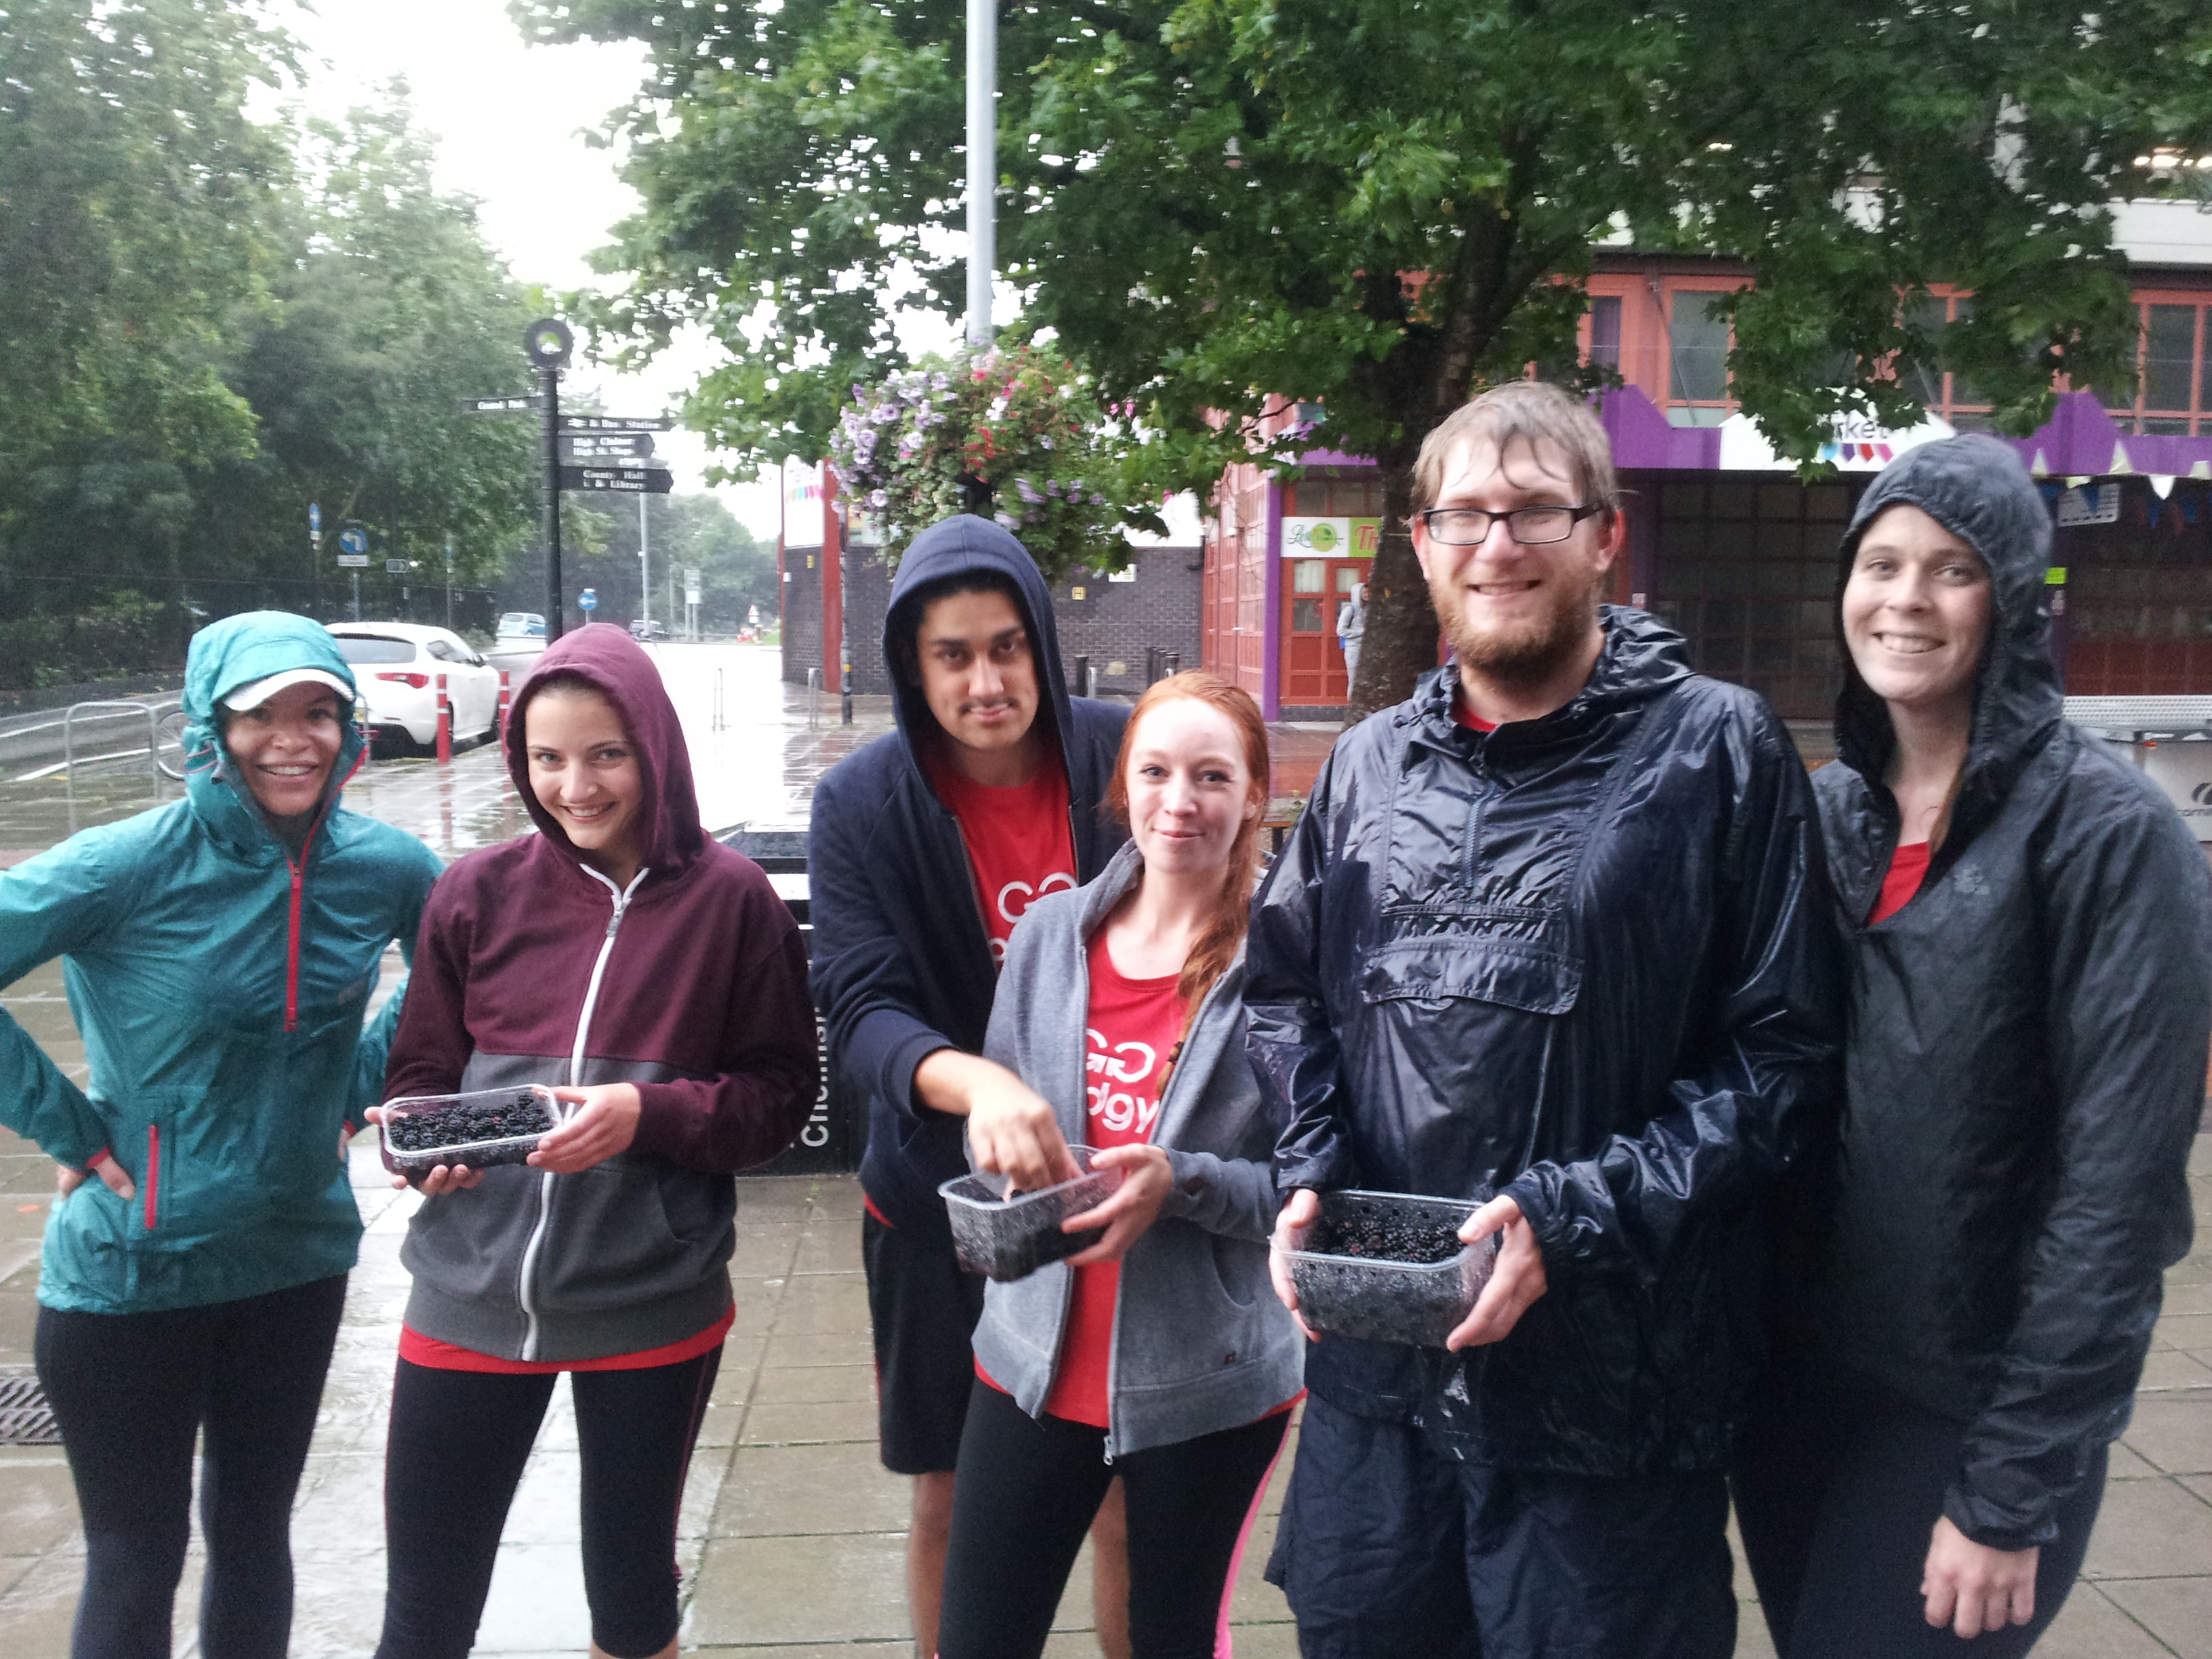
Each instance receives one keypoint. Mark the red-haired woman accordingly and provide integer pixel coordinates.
(1159, 1354)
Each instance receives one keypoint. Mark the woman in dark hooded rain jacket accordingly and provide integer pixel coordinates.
(652, 978)
(2031, 993)
(219, 952)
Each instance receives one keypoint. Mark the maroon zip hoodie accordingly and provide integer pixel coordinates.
(532, 968)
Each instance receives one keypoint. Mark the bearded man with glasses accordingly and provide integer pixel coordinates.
(1553, 935)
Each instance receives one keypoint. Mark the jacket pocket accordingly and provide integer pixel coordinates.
(1507, 972)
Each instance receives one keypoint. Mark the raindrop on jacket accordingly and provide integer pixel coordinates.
(2026, 1062)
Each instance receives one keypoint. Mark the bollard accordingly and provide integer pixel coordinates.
(498, 731)
(814, 696)
(445, 723)
(1083, 675)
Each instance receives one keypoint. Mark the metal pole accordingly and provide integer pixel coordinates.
(844, 604)
(449, 581)
(550, 381)
(982, 167)
(644, 571)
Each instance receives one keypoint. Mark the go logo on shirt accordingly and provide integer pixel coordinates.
(1114, 1101)
(1015, 899)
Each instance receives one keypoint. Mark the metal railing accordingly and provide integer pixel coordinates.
(153, 734)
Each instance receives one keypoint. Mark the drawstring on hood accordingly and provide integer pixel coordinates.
(605, 658)
(225, 656)
(964, 545)
(1975, 487)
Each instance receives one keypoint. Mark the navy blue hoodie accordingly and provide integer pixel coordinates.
(902, 963)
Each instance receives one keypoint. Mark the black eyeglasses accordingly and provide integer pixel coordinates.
(1531, 526)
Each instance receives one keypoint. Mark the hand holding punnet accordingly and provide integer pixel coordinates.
(1515, 1282)
(1298, 1214)
(1130, 1208)
(445, 1178)
(603, 1122)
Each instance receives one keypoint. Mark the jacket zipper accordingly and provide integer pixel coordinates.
(530, 1250)
(153, 1171)
(299, 870)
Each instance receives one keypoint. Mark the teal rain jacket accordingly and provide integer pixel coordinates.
(220, 991)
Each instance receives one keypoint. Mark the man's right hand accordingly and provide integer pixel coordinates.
(1299, 1212)
(67, 1181)
(1011, 1129)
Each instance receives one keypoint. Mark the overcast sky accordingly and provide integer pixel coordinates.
(508, 118)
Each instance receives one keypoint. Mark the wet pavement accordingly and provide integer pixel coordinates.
(792, 1536)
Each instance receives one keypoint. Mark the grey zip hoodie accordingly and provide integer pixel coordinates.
(1200, 1343)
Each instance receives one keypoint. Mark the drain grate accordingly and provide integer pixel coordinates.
(26, 1420)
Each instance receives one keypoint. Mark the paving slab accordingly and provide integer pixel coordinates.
(2177, 1611)
(2150, 1529)
(2174, 1431)
(841, 1587)
(802, 1490)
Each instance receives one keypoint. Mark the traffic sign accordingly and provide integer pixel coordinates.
(353, 560)
(628, 481)
(395, 566)
(353, 541)
(588, 600)
(618, 423)
(510, 403)
(315, 517)
(604, 446)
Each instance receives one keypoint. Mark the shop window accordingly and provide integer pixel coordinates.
(1698, 348)
(1605, 332)
(2170, 392)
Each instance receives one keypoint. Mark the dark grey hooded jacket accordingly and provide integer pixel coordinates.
(2025, 1063)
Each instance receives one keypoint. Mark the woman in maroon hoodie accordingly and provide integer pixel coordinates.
(653, 979)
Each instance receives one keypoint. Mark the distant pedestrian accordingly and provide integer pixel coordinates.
(2030, 997)
(1351, 631)
(927, 846)
(1158, 1354)
(1555, 928)
(219, 952)
(650, 976)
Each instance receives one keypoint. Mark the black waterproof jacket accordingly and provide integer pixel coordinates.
(2025, 1058)
(902, 964)
(1589, 960)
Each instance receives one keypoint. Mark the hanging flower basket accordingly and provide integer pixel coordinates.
(1011, 434)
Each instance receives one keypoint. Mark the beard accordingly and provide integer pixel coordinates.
(1527, 650)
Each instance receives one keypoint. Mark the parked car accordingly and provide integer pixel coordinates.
(397, 665)
(642, 629)
(520, 625)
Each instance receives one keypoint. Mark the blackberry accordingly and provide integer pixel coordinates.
(1389, 1267)
(418, 1137)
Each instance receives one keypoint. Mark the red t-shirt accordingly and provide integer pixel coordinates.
(1908, 868)
(1020, 844)
(1132, 1026)
(417, 1349)
(1465, 716)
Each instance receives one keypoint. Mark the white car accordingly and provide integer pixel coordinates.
(396, 665)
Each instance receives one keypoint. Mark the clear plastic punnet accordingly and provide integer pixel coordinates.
(1390, 1267)
(1011, 1238)
(484, 1128)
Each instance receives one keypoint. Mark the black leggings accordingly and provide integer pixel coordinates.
(1026, 1492)
(458, 1441)
(1837, 1489)
(132, 1393)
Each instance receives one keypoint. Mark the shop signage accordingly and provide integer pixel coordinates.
(1330, 537)
(1859, 444)
(803, 495)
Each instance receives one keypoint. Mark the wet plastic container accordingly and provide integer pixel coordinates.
(1009, 1238)
(484, 1128)
(1388, 1267)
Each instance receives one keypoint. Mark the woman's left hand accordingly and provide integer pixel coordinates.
(604, 1122)
(1130, 1208)
(1972, 1588)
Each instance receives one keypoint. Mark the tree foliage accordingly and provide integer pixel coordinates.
(1219, 205)
(211, 321)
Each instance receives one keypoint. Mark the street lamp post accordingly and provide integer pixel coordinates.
(983, 168)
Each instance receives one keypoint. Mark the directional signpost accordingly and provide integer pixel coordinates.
(593, 452)
(353, 554)
(588, 600)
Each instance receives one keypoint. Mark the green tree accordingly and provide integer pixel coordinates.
(1218, 205)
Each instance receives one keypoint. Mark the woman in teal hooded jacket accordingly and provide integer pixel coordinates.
(219, 953)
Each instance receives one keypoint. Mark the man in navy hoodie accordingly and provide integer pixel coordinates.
(925, 848)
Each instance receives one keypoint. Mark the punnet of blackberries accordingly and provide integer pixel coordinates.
(422, 1135)
(1390, 1268)
(1010, 1238)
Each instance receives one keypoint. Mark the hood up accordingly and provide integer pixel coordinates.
(1975, 487)
(605, 658)
(224, 656)
(959, 546)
